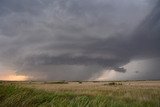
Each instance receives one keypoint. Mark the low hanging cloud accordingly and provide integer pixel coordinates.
(73, 39)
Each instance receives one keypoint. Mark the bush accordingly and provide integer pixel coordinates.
(1, 82)
(56, 82)
(80, 82)
(112, 83)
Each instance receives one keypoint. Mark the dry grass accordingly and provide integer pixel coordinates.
(121, 93)
(95, 87)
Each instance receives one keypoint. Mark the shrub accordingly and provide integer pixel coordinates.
(56, 82)
(112, 83)
(80, 82)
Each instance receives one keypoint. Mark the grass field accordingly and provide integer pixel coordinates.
(80, 94)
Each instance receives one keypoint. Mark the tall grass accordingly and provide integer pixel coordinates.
(15, 96)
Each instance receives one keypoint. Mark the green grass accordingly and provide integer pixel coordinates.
(12, 95)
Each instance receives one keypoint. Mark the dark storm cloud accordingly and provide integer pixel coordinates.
(120, 69)
(28, 6)
(80, 37)
(143, 42)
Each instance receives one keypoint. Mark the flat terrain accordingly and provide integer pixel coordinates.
(80, 94)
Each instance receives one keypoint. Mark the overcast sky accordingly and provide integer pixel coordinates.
(80, 39)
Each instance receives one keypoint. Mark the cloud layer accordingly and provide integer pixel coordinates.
(75, 39)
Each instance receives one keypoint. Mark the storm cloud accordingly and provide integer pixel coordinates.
(76, 39)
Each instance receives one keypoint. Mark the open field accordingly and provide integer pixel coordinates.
(80, 94)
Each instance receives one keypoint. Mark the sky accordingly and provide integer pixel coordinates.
(79, 39)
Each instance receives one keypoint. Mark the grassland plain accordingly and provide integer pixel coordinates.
(80, 94)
